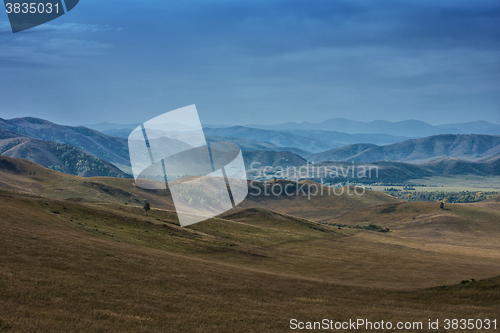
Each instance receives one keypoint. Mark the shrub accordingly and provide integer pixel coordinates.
(146, 207)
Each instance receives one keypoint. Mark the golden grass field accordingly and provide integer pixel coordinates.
(78, 255)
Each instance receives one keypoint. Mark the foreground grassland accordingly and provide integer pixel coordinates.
(88, 260)
(80, 266)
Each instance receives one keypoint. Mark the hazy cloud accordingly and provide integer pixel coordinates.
(76, 28)
(275, 60)
(74, 47)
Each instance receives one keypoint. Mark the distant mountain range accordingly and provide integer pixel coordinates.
(467, 147)
(57, 156)
(308, 141)
(407, 128)
(245, 144)
(103, 127)
(313, 141)
(277, 138)
(51, 145)
(441, 155)
(327, 135)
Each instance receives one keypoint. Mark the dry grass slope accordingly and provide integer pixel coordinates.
(63, 276)
(14, 175)
(81, 260)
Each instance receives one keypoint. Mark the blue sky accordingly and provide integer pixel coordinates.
(257, 61)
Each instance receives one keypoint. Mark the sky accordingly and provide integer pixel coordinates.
(256, 62)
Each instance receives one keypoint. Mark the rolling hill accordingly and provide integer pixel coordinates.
(308, 199)
(21, 175)
(492, 164)
(489, 166)
(455, 166)
(14, 175)
(455, 225)
(108, 148)
(468, 147)
(56, 156)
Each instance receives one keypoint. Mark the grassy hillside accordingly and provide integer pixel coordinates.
(62, 186)
(28, 177)
(84, 266)
(309, 199)
(457, 225)
(78, 254)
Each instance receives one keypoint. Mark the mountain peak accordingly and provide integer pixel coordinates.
(31, 120)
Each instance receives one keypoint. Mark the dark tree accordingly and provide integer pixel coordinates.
(146, 207)
(441, 205)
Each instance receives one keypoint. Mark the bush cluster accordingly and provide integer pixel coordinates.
(452, 197)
